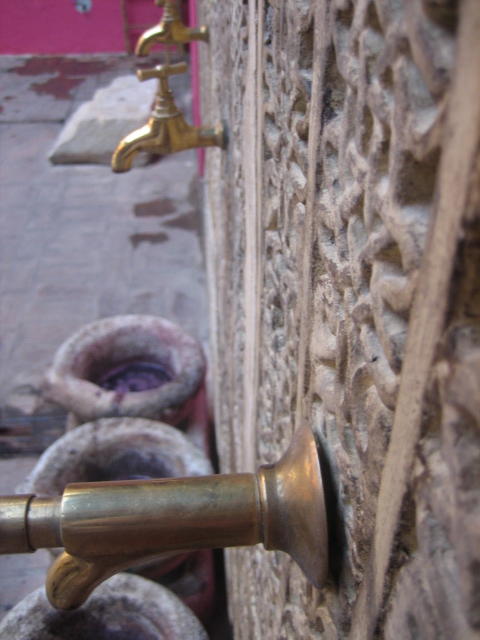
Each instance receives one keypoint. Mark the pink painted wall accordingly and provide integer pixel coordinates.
(56, 27)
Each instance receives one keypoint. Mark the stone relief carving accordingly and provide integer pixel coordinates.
(385, 82)
(353, 204)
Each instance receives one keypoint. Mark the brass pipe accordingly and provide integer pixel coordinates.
(109, 526)
(154, 516)
(28, 523)
(13, 524)
(43, 523)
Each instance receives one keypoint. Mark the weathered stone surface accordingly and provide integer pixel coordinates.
(317, 246)
(93, 132)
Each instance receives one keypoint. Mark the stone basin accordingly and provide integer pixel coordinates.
(134, 365)
(125, 607)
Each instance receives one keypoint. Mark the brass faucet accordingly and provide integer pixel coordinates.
(106, 527)
(170, 30)
(166, 131)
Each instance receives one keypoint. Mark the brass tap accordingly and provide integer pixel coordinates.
(106, 527)
(166, 131)
(170, 30)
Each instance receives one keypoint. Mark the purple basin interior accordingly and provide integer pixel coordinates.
(135, 376)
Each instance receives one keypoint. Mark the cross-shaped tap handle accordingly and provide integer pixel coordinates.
(162, 71)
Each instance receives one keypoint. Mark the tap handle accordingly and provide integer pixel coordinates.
(170, 14)
(162, 71)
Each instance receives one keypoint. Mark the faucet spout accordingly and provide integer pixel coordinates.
(147, 138)
(166, 132)
(165, 136)
(170, 30)
(169, 34)
(106, 527)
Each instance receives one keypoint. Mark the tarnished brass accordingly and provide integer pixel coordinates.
(28, 523)
(169, 31)
(109, 526)
(43, 523)
(166, 132)
(13, 524)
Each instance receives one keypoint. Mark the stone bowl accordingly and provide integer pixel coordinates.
(135, 365)
(115, 449)
(125, 607)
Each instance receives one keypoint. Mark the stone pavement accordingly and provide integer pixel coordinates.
(78, 243)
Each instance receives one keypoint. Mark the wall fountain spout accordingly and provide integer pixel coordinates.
(166, 132)
(170, 30)
(106, 527)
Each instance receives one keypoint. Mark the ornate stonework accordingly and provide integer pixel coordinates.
(341, 117)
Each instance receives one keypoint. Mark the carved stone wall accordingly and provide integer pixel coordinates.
(342, 241)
